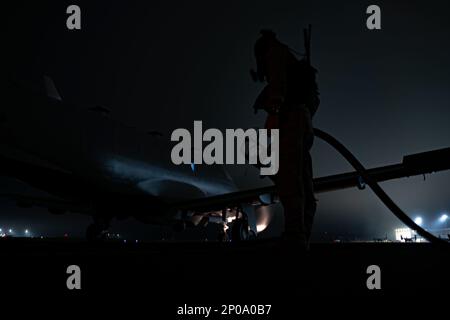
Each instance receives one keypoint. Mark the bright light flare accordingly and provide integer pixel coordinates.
(443, 218)
(418, 221)
(263, 218)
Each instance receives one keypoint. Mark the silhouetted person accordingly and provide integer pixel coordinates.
(291, 99)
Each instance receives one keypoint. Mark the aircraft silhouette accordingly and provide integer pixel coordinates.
(91, 164)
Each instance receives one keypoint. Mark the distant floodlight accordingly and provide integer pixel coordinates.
(443, 218)
(1, 230)
(418, 221)
(10, 230)
(26, 231)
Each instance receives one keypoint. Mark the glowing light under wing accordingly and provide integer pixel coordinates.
(142, 172)
(264, 215)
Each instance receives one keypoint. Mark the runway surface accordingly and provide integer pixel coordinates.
(212, 272)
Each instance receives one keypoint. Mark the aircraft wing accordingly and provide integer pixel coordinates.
(61, 184)
(412, 165)
(64, 186)
(52, 180)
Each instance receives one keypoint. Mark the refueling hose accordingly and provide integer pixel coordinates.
(373, 184)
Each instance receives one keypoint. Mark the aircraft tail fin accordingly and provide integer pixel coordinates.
(50, 88)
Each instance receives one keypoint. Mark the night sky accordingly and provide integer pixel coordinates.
(160, 65)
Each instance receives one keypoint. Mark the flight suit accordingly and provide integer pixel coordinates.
(286, 100)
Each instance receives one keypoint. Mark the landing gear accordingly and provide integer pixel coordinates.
(97, 231)
(240, 231)
(222, 236)
(244, 227)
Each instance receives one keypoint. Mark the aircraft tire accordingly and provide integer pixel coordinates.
(240, 230)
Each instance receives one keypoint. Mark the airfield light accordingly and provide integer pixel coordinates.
(10, 230)
(443, 218)
(27, 231)
(1, 230)
(418, 221)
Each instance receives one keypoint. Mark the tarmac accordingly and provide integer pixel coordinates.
(223, 270)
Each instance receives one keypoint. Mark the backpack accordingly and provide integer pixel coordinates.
(302, 84)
